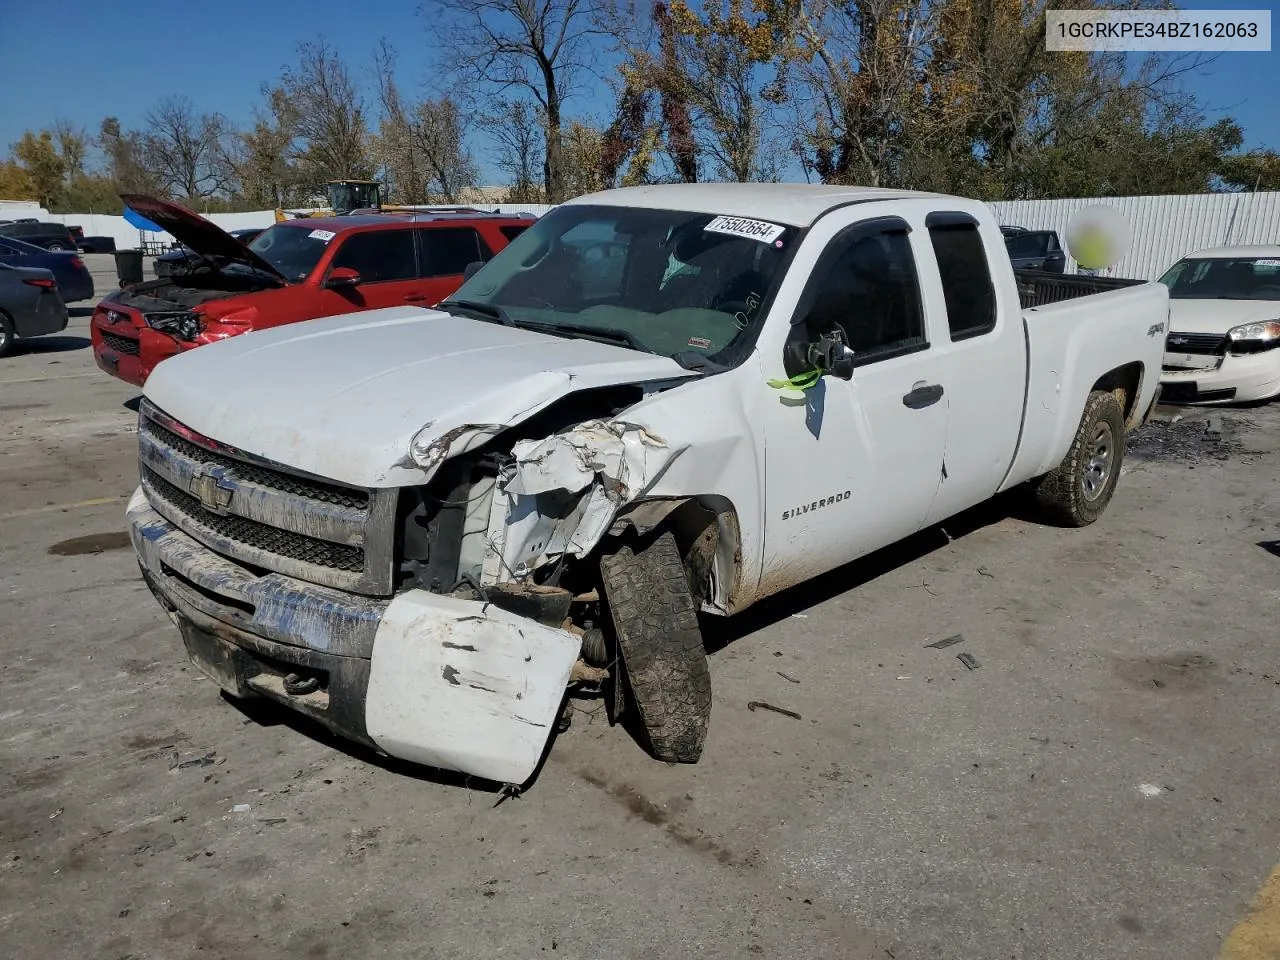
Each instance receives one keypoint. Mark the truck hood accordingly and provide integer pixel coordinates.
(345, 397)
(196, 233)
(1218, 316)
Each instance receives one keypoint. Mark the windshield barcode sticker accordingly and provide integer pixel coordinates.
(325, 235)
(1267, 263)
(752, 229)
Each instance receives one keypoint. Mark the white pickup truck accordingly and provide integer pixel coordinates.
(425, 528)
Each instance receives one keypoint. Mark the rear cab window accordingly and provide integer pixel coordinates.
(967, 288)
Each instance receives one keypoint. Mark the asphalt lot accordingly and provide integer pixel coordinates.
(1101, 786)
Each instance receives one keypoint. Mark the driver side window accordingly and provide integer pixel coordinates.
(866, 284)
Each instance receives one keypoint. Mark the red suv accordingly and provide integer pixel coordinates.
(295, 270)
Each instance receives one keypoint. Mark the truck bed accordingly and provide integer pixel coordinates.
(1037, 288)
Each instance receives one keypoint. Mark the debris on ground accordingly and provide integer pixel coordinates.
(208, 760)
(969, 660)
(787, 678)
(273, 821)
(983, 571)
(56, 814)
(761, 705)
(948, 642)
(241, 808)
(1183, 439)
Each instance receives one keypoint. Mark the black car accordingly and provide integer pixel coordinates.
(167, 263)
(30, 305)
(1035, 249)
(75, 282)
(50, 236)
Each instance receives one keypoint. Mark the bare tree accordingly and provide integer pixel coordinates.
(422, 146)
(183, 151)
(330, 127)
(543, 47)
(72, 142)
(261, 155)
(517, 134)
(125, 162)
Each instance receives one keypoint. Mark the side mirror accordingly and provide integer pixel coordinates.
(340, 277)
(472, 269)
(832, 355)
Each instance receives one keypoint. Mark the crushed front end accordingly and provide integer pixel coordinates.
(374, 611)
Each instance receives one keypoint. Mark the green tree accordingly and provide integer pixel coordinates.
(15, 184)
(39, 158)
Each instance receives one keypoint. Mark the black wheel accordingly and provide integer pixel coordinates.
(8, 335)
(1079, 489)
(56, 247)
(664, 663)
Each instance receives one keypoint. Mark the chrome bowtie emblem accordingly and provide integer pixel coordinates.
(206, 486)
(1177, 339)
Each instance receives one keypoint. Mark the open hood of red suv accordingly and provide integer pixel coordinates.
(196, 233)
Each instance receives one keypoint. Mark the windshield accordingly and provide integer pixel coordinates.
(294, 251)
(679, 284)
(1248, 278)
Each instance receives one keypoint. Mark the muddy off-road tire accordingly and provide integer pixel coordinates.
(660, 645)
(1077, 492)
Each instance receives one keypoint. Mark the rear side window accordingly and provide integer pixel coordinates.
(378, 256)
(512, 232)
(446, 251)
(966, 277)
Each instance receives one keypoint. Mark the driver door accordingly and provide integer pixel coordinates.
(857, 463)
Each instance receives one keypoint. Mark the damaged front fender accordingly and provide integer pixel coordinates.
(558, 496)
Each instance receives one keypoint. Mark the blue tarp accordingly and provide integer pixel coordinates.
(141, 222)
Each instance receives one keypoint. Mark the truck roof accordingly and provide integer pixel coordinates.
(1240, 252)
(795, 204)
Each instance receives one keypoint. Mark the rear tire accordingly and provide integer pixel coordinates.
(8, 335)
(659, 646)
(1077, 492)
(56, 247)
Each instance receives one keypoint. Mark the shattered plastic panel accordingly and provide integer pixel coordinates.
(604, 464)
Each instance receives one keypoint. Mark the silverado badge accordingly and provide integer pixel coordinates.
(206, 486)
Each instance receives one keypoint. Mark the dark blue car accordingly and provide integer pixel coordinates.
(72, 276)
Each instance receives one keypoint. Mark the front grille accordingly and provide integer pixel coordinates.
(263, 515)
(120, 344)
(259, 536)
(263, 476)
(1205, 343)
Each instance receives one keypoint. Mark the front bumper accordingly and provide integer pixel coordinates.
(1244, 378)
(449, 683)
(131, 354)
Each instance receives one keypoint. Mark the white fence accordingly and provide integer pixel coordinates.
(1165, 228)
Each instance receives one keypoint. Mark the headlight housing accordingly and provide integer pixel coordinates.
(183, 324)
(1255, 337)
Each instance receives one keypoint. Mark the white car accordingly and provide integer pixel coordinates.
(1224, 326)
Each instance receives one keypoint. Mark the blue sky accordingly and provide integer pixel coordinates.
(120, 58)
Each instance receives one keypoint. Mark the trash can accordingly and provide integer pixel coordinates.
(129, 266)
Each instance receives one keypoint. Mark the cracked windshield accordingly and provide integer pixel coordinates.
(678, 284)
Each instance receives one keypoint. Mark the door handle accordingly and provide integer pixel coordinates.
(416, 298)
(922, 395)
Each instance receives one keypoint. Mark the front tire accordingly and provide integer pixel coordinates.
(659, 645)
(56, 248)
(1078, 490)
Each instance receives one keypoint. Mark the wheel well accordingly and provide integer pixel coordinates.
(1126, 383)
(707, 533)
